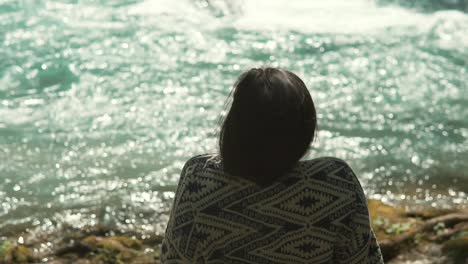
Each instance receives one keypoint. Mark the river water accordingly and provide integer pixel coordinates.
(102, 102)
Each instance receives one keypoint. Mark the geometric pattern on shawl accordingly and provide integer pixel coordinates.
(315, 214)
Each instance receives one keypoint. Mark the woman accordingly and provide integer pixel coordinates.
(256, 202)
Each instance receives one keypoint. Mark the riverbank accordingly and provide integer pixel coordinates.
(405, 236)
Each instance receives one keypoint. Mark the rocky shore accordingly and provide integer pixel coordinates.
(426, 236)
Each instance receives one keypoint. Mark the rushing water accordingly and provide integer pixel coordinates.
(101, 102)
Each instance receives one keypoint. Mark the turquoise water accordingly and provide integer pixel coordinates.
(101, 102)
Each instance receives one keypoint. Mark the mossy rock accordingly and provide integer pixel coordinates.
(457, 248)
(457, 244)
(463, 226)
(12, 253)
(127, 241)
(431, 213)
(105, 257)
(114, 249)
(106, 243)
(388, 221)
(145, 260)
(380, 209)
(154, 240)
(4, 248)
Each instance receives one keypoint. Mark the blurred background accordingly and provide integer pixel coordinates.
(102, 102)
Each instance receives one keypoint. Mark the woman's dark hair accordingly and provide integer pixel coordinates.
(269, 126)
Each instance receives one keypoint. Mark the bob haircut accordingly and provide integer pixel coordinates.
(269, 127)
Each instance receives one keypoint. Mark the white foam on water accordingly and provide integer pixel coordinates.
(180, 10)
(155, 7)
(331, 16)
(309, 16)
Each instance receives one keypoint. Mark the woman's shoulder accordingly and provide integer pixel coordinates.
(204, 161)
(328, 169)
(329, 160)
(214, 160)
(335, 174)
(203, 158)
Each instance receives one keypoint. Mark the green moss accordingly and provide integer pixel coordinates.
(439, 228)
(114, 249)
(96, 243)
(128, 242)
(379, 209)
(4, 247)
(11, 253)
(398, 228)
(460, 234)
(104, 256)
(22, 254)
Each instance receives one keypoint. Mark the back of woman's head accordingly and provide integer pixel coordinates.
(269, 126)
